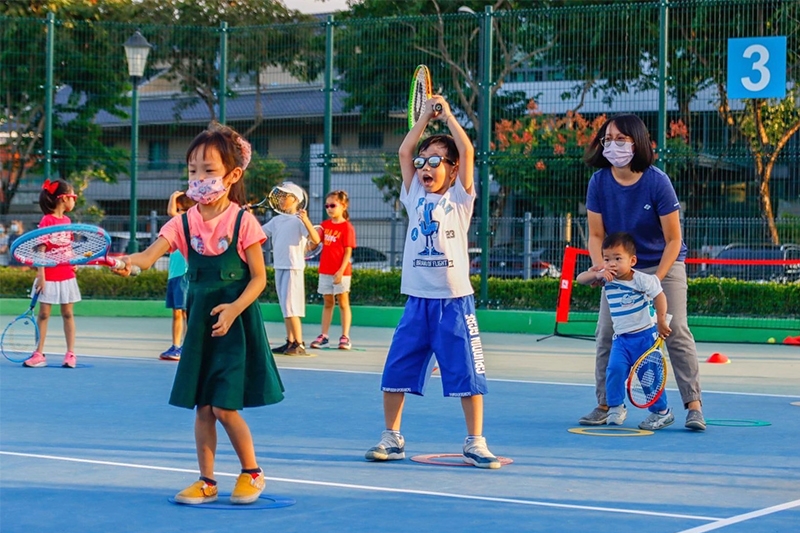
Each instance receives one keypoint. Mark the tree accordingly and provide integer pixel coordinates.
(698, 55)
(186, 35)
(88, 80)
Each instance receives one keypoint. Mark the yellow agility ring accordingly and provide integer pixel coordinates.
(610, 432)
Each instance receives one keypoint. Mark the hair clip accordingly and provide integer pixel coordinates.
(50, 186)
(246, 149)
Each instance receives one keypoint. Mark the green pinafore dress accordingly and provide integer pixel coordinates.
(236, 370)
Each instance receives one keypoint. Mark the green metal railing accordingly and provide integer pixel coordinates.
(323, 102)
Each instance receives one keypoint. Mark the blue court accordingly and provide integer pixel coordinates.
(98, 448)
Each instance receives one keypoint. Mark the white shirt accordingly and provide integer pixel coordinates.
(631, 302)
(289, 236)
(436, 257)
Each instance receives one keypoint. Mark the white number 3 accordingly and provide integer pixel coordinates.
(763, 57)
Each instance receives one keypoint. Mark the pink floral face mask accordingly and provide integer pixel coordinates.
(206, 191)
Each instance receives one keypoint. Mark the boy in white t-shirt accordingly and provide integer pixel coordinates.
(289, 234)
(439, 316)
(639, 314)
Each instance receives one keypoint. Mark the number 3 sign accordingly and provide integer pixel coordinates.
(757, 67)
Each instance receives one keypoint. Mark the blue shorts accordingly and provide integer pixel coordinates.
(445, 327)
(177, 291)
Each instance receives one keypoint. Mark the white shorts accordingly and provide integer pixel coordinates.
(326, 285)
(60, 292)
(290, 284)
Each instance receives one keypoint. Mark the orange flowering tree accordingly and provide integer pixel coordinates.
(539, 159)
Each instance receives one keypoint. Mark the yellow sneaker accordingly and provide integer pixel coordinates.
(197, 493)
(248, 488)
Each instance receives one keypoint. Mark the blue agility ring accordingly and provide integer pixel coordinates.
(265, 501)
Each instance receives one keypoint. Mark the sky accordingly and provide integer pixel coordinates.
(316, 6)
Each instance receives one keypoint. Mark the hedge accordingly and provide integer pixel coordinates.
(707, 296)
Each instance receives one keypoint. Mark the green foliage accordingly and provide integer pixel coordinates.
(707, 296)
(263, 174)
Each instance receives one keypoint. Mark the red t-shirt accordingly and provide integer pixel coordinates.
(336, 238)
(60, 272)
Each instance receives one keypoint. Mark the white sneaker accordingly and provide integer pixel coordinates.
(617, 415)
(477, 453)
(391, 448)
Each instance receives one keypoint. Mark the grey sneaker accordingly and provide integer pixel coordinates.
(597, 417)
(295, 348)
(695, 420)
(477, 453)
(391, 448)
(658, 421)
(617, 415)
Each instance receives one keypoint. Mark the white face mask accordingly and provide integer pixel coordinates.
(206, 191)
(619, 156)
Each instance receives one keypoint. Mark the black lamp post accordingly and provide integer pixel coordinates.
(136, 50)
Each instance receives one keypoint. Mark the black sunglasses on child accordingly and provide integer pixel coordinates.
(433, 161)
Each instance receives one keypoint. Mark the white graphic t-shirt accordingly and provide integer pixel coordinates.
(435, 257)
(631, 302)
(289, 236)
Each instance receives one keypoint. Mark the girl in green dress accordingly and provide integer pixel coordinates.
(226, 363)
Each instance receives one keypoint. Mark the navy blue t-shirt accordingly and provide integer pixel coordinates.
(636, 209)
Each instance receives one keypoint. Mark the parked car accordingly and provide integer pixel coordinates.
(364, 258)
(509, 263)
(779, 273)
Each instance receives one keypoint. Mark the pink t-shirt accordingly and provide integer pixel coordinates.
(212, 237)
(60, 272)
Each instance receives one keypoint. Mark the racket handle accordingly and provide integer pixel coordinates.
(437, 108)
(119, 264)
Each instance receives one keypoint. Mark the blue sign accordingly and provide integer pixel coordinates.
(757, 67)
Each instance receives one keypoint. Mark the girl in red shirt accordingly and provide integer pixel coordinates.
(335, 270)
(56, 285)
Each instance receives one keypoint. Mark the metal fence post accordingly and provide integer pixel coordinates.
(223, 72)
(661, 134)
(48, 96)
(484, 144)
(328, 119)
(527, 232)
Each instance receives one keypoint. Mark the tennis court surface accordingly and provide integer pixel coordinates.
(98, 449)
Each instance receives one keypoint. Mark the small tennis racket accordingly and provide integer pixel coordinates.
(313, 251)
(287, 198)
(420, 92)
(66, 244)
(21, 335)
(648, 377)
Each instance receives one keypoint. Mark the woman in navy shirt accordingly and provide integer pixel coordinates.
(629, 194)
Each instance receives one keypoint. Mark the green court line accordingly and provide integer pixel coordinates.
(704, 329)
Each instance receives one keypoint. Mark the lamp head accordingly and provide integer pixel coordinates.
(136, 51)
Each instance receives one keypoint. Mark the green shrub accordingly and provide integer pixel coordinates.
(707, 296)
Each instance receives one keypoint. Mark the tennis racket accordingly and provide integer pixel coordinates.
(313, 251)
(282, 198)
(420, 92)
(648, 377)
(66, 244)
(21, 335)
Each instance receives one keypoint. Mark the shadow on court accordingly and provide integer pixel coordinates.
(98, 449)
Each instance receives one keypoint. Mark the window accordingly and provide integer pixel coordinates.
(158, 155)
(370, 139)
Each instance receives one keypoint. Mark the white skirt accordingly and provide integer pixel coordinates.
(61, 292)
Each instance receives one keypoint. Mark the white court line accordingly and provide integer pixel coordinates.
(742, 517)
(379, 489)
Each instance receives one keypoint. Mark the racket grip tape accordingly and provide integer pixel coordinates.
(437, 108)
(119, 264)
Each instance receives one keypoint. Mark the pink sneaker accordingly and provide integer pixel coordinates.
(36, 360)
(69, 360)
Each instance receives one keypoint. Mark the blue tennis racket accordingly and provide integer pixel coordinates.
(66, 244)
(21, 336)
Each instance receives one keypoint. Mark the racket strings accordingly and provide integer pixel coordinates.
(284, 202)
(19, 338)
(647, 379)
(61, 247)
